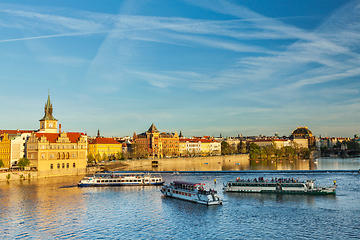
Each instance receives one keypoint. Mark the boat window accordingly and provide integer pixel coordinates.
(97, 180)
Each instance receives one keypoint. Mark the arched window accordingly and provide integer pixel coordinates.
(58, 155)
(63, 155)
(67, 155)
(51, 166)
(67, 165)
(63, 165)
(58, 165)
(73, 165)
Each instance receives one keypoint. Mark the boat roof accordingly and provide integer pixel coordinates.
(123, 173)
(187, 183)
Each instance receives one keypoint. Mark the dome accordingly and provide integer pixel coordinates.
(302, 132)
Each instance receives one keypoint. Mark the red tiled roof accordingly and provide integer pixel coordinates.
(196, 140)
(270, 140)
(103, 141)
(16, 131)
(52, 137)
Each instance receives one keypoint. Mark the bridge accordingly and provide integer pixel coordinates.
(339, 152)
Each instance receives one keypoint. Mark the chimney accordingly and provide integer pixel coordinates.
(59, 128)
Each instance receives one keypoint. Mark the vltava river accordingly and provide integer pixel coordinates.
(56, 208)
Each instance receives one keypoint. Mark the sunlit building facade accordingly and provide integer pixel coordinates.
(154, 143)
(199, 146)
(5, 150)
(101, 145)
(53, 152)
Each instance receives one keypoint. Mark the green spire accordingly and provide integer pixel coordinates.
(48, 110)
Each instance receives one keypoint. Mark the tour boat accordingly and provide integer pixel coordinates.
(121, 179)
(193, 192)
(278, 185)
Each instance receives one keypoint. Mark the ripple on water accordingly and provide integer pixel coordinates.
(53, 211)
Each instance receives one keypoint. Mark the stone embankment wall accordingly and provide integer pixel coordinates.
(213, 163)
(22, 175)
(18, 175)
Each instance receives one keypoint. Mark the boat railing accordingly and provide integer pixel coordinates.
(262, 180)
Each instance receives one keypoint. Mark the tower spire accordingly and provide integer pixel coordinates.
(48, 109)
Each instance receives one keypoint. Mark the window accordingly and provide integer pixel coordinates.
(58, 165)
(51, 166)
(58, 156)
(43, 156)
(63, 165)
(67, 165)
(73, 165)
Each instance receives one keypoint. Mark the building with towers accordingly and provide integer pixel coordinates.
(156, 144)
(55, 152)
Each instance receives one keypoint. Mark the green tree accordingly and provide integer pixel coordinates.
(1, 163)
(269, 151)
(119, 156)
(305, 153)
(254, 151)
(105, 157)
(23, 162)
(98, 157)
(254, 154)
(352, 145)
(288, 151)
(263, 154)
(90, 158)
(241, 147)
(224, 148)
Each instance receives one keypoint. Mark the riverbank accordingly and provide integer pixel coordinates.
(217, 163)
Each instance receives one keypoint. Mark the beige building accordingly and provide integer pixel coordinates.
(18, 144)
(199, 146)
(268, 142)
(54, 152)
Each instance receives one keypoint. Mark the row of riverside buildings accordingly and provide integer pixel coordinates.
(55, 152)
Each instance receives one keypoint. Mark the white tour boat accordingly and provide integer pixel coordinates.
(278, 185)
(193, 192)
(121, 179)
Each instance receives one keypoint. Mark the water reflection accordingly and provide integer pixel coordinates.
(194, 164)
(53, 208)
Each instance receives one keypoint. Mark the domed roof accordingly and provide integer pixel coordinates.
(302, 131)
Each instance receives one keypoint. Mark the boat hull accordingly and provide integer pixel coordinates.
(282, 191)
(279, 187)
(201, 197)
(118, 184)
(121, 179)
(197, 201)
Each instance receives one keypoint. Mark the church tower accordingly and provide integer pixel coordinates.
(48, 124)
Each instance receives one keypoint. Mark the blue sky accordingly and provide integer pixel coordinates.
(202, 67)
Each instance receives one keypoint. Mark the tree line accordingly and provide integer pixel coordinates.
(265, 152)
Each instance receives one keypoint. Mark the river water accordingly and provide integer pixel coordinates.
(56, 208)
